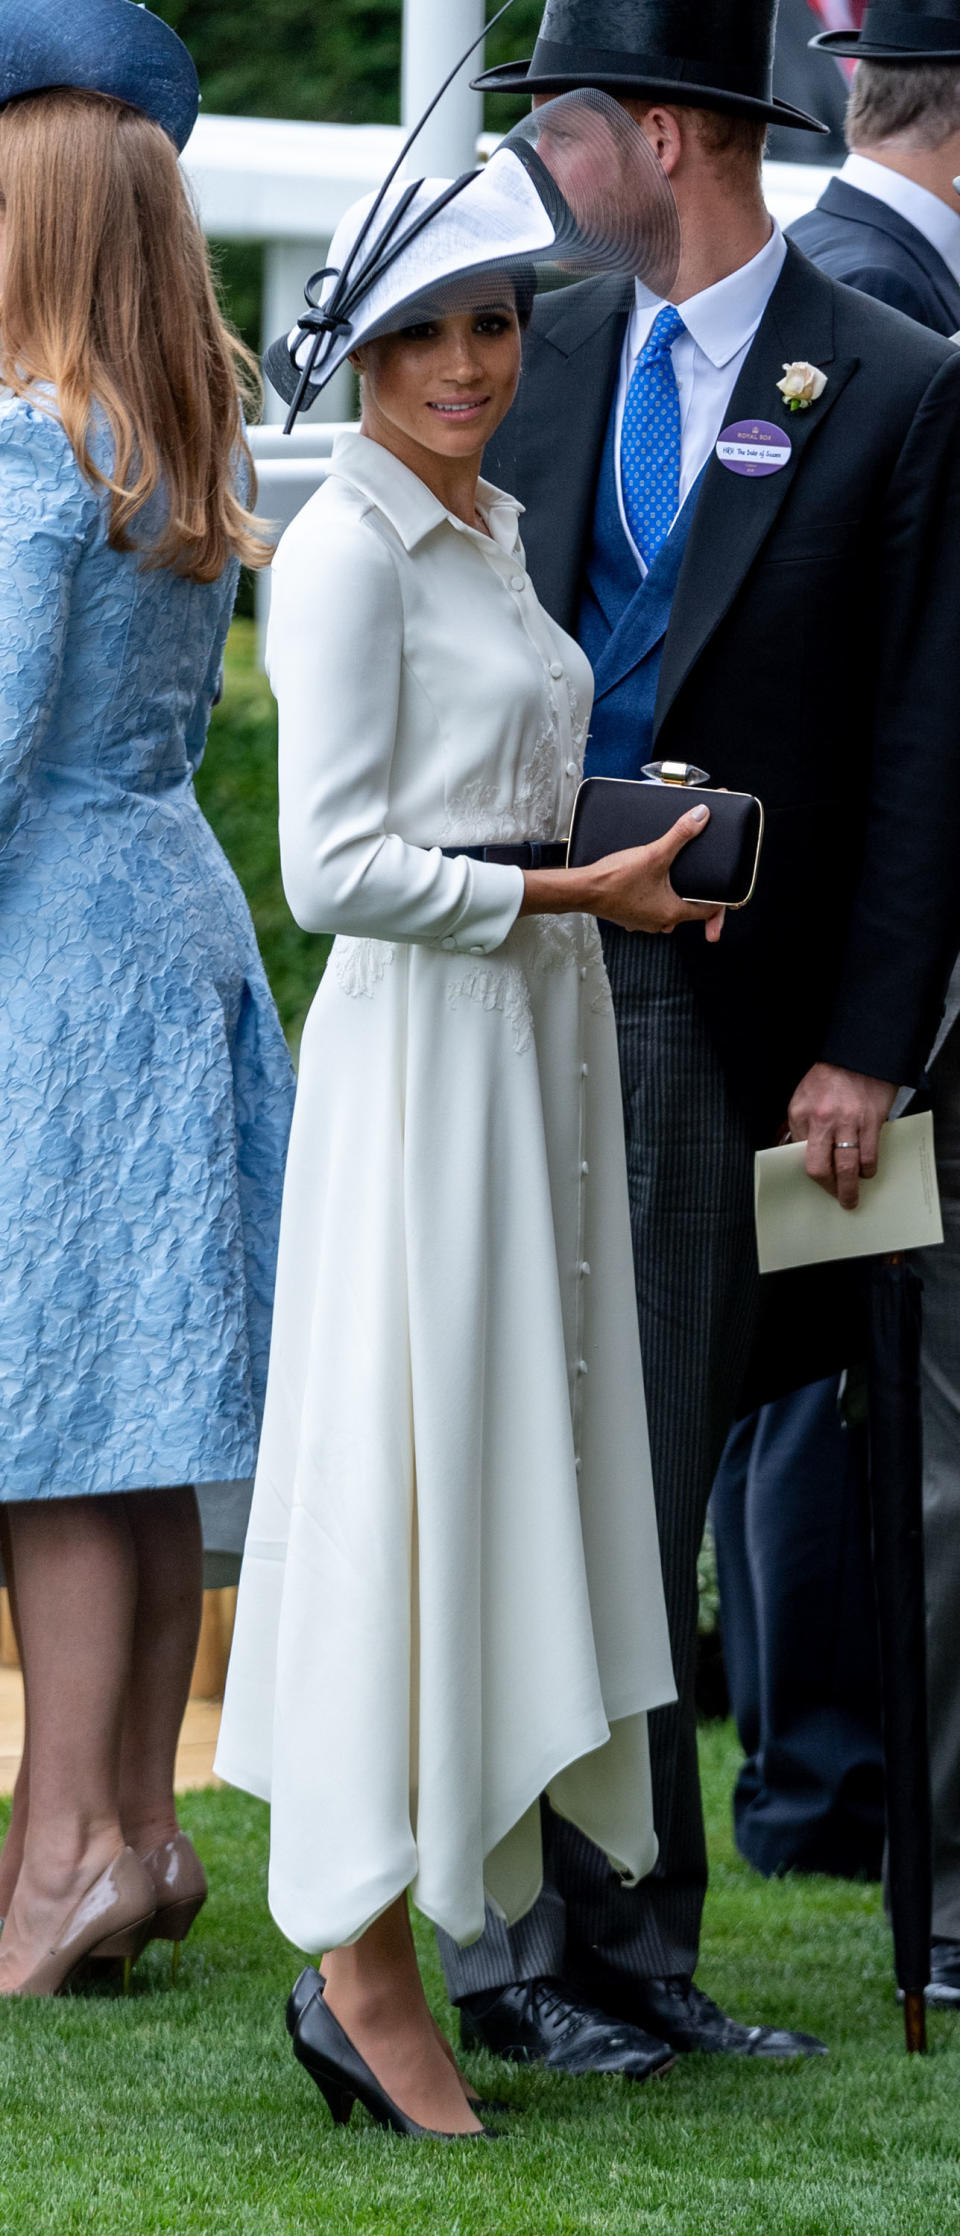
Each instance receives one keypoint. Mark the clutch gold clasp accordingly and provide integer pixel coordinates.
(675, 772)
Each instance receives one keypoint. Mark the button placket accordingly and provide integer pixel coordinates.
(581, 1365)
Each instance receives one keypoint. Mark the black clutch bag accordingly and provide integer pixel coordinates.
(718, 867)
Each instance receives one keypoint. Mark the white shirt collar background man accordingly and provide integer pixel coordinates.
(930, 212)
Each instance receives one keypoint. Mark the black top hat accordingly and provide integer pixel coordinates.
(900, 31)
(708, 54)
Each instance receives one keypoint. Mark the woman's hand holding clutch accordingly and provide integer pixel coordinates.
(632, 889)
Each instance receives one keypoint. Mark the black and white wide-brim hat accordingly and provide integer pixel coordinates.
(575, 186)
(100, 46)
(900, 31)
(711, 54)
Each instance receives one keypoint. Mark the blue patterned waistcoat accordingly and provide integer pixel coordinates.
(622, 626)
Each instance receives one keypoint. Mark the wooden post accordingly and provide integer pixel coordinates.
(213, 1651)
(9, 1658)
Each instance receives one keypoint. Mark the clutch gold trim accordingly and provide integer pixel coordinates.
(694, 900)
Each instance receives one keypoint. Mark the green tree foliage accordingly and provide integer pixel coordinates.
(322, 60)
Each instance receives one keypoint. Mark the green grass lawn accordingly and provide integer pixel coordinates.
(183, 2110)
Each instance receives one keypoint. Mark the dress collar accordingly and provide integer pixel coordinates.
(411, 508)
(939, 224)
(723, 318)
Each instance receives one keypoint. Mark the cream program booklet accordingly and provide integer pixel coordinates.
(798, 1224)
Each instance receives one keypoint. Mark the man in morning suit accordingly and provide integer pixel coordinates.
(889, 222)
(796, 635)
(889, 225)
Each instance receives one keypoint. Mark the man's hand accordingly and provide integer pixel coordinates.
(839, 1115)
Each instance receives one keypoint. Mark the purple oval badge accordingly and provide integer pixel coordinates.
(754, 447)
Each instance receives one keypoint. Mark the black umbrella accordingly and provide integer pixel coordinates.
(866, 1314)
(894, 1322)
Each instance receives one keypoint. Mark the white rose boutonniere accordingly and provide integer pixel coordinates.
(801, 385)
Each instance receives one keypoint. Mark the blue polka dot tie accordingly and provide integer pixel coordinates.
(650, 441)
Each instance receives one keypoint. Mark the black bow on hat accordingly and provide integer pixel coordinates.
(712, 54)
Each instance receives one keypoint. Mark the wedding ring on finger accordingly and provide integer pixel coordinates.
(847, 1145)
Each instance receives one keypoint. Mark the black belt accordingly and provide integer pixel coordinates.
(531, 854)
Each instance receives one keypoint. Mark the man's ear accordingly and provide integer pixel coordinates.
(662, 127)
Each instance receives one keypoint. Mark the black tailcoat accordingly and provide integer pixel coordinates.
(812, 657)
(859, 239)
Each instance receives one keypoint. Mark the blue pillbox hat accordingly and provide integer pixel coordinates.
(100, 46)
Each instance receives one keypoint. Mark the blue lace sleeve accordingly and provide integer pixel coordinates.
(47, 513)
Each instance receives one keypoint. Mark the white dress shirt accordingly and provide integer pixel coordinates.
(939, 224)
(721, 322)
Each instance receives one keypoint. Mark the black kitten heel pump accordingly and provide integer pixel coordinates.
(310, 1984)
(343, 2076)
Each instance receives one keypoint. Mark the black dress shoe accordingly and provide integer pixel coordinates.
(943, 1988)
(536, 2022)
(687, 2019)
(344, 2078)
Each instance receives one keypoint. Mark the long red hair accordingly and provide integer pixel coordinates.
(108, 297)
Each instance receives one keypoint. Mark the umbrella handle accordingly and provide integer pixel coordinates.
(915, 2023)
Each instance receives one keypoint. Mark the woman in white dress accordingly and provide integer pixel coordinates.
(451, 1598)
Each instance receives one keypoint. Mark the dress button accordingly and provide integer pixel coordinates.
(573, 768)
(476, 950)
(584, 1268)
(578, 1463)
(584, 1071)
(583, 970)
(584, 1168)
(556, 670)
(582, 1367)
(518, 582)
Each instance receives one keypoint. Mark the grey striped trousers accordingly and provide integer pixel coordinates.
(690, 1165)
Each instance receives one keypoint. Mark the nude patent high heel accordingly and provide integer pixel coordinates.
(180, 1890)
(112, 1921)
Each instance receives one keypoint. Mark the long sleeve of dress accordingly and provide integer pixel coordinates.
(335, 656)
(45, 515)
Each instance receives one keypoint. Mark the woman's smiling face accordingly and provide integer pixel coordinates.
(445, 384)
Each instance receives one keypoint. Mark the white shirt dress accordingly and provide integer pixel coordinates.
(451, 1597)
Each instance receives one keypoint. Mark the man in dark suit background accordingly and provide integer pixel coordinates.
(723, 637)
(889, 223)
(787, 1511)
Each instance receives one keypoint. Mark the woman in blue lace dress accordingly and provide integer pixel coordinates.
(145, 1088)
